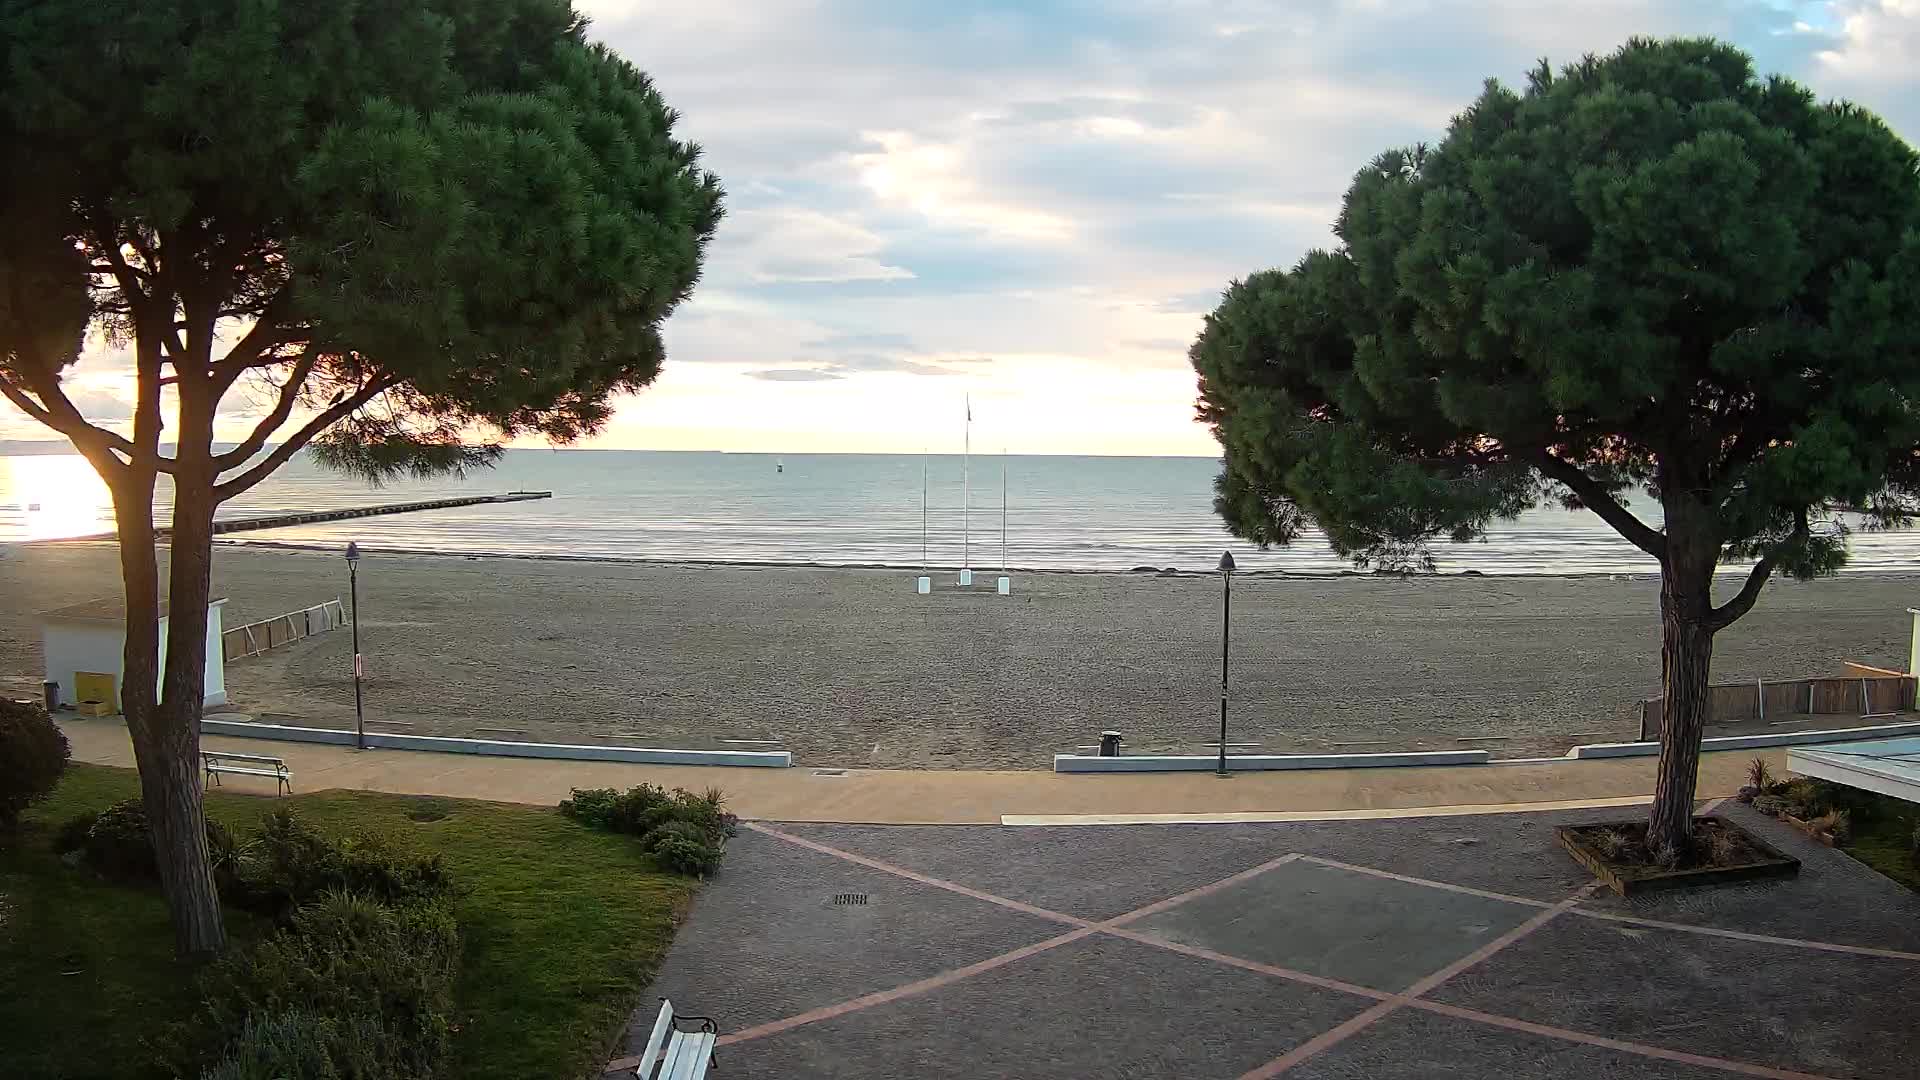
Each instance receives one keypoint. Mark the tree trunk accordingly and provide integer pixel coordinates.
(1686, 671)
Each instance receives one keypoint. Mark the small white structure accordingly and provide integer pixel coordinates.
(90, 638)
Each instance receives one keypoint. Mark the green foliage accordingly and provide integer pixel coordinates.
(291, 1046)
(579, 914)
(382, 977)
(1650, 270)
(460, 199)
(1760, 774)
(117, 843)
(681, 831)
(33, 755)
(292, 863)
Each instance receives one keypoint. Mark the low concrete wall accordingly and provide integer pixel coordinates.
(770, 759)
(1749, 742)
(1084, 763)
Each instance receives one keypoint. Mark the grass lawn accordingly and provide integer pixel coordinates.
(1882, 833)
(562, 927)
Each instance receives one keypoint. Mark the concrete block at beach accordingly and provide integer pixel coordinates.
(1004, 586)
(1749, 742)
(923, 585)
(1082, 763)
(966, 577)
(640, 755)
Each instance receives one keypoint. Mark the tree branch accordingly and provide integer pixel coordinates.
(1601, 501)
(327, 418)
(1728, 613)
(58, 413)
(283, 408)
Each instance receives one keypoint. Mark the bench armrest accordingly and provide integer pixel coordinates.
(705, 1023)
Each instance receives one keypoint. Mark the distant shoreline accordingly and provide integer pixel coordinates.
(1877, 574)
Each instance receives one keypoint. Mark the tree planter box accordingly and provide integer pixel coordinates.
(1627, 879)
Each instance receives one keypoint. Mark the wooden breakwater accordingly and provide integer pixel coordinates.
(277, 521)
(257, 637)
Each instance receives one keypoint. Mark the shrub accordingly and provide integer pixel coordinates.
(1610, 843)
(380, 976)
(1835, 823)
(284, 1046)
(72, 833)
(118, 844)
(33, 754)
(682, 832)
(1759, 774)
(293, 863)
(1806, 797)
(1724, 848)
(1772, 805)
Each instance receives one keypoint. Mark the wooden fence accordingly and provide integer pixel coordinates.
(1863, 691)
(256, 638)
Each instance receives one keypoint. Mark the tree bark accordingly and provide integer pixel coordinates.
(1686, 669)
(174, 807)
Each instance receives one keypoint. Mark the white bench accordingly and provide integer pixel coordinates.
(223, 761)
(681, 1055)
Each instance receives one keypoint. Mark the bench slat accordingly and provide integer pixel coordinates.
(688, 1056)
(654, 1041)
(222, 755)
(275, 773)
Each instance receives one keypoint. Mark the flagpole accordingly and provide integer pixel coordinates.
(1003, 509)
(923, 511)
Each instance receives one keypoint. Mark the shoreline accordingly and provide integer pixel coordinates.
(315, 547)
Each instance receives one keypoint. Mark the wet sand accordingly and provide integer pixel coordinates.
(850, 667)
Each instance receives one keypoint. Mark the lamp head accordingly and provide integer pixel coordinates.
(1226, 562)
(353, 552)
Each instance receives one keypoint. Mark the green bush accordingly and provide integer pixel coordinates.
(33, 754)
(681, 831)
(117, 843)
(285, 1046)
(293, 863)
(380, 976)
(72, 833)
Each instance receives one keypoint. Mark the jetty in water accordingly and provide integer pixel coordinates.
(276, 521)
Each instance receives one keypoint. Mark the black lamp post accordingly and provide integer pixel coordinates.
(1226, 623)
(353, 586)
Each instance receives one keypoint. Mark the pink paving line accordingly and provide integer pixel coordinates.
(1642, 1049)
(1333, 1037)
(933, 982)
(1288, 974)
(1428, 882)
(1740, 935)
(911, 875)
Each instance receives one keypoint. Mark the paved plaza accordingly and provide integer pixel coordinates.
(1458, 946)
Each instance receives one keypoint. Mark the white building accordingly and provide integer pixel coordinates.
(90, 639)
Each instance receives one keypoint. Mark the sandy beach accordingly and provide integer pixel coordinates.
(850, 668)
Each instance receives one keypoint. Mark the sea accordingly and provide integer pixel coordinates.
(943, 511)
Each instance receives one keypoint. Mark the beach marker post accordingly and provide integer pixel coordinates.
(1005, 585)
(924, 583)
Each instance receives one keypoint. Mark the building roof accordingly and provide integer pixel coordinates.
(1888, 766)
(106, 609)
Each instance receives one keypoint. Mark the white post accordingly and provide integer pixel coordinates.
(924, 583)
(1004, 586)
(966, 497)
(1913, 646)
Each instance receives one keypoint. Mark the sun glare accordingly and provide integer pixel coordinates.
(52, 496)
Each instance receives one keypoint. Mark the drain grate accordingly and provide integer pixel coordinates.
(850, 899)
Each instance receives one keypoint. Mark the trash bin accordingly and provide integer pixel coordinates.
(1109, 744)
(50, 696)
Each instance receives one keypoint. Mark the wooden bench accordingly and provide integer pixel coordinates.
(224, 761)
(681, 1055)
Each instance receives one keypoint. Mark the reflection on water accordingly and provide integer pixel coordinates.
(51, 496)
(1063, 513)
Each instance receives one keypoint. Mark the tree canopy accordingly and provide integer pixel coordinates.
(1650, 270)
(458, 208)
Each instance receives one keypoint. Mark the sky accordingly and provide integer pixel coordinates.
(1034, 204)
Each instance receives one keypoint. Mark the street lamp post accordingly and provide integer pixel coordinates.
(353, 586)
(1226, 624)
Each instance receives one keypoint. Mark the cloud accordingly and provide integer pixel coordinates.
(793, 375)
(792, 244)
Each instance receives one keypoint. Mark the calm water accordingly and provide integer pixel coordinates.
(1088, 513)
